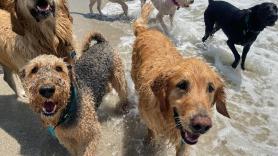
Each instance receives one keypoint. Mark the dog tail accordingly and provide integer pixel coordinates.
(140, 24)
(210, 1)
(98, 37)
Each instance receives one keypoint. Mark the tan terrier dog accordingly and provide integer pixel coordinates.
(64, 104)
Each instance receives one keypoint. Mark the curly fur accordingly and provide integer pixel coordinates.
(102, 65)
(80, 136)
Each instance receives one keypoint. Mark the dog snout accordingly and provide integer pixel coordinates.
(191, 1)
(47, 91)
(201, 124)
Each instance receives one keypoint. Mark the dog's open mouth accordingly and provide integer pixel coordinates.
(49, 108)
(190, 138)
(42, 10)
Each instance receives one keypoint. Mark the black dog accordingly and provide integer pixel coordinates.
(241, 26)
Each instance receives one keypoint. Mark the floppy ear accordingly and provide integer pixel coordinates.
(16, 21)
(159, 88)
(220, 100)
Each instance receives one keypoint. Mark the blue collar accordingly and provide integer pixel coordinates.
(69, 112)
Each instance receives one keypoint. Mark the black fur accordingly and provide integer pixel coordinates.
(95, 66)
(240, 26)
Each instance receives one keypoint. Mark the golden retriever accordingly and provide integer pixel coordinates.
(176, 94)
(32, 28)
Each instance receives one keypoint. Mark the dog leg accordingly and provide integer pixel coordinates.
(99, 7)
(172, 19)
(159, 17)
(122, 3)
(92, 3)
(209, 27)
(236, 55)
(182, 150)
(14, 82)
(244, 54)
(118, 81)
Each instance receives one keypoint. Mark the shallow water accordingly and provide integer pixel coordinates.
(251, 94)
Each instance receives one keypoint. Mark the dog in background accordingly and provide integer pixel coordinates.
(176, 94)
(242, 27)
(31, 28)
(168, 7)
(121, 2)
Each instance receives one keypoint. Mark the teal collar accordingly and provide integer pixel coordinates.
(69, 113)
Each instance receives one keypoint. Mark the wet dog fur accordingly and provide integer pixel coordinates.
(27, 33)
(48, 82)
(168, 84)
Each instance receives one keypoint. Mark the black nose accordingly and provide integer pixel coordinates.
(201, 124)
(47, 91)
(192, 1)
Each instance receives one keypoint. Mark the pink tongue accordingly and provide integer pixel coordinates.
(192, 136)
(49, 106)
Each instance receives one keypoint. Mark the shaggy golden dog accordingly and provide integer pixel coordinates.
(32, 28)
(176, 94)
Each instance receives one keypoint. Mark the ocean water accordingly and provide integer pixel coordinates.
(252, 95)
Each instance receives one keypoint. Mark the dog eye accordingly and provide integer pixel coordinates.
(210, 88)
(34, 70)
(59, 69)
(184, 85)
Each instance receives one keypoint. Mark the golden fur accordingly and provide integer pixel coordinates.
(157, 68)
(23, 38)
(80, 136)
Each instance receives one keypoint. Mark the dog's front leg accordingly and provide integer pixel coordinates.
(14, 82)
(92, 3)
(182, 150)
(244, 54)
(172, 20)
(99, 7)
(236, 55)
(159, 17)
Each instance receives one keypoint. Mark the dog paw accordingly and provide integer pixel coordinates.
(242, 67)
(234, 65)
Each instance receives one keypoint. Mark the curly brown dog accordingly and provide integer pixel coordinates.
(34, 27)
(64, 103)
(176, 94)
